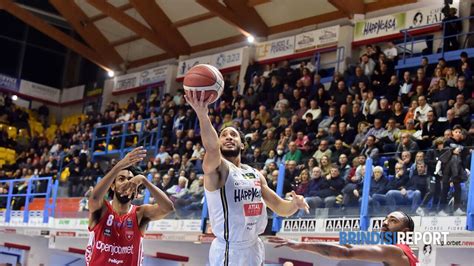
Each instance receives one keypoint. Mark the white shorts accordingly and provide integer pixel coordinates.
(252, 254)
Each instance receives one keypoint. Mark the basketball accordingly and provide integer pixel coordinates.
(205, 79)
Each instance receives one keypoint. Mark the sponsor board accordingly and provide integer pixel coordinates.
(342, 224)
(275, 48)
(426, 16)
(40, 91)
(227, 59)
(72, 94)
(16, 217)
(443, 224)
(9, 83)
(299, 225)
(153, 75)
(126, 82)
(316, 39)
(379, 26)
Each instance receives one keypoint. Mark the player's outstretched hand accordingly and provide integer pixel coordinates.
(133, 157)
(197, 102)
(282, 242)
(131, 186)
(299, 201)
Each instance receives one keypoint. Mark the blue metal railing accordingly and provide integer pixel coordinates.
(148, 139)
(409, 39)
(340, 51)
(51, 188)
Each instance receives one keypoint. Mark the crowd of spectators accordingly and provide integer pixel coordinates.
(416, 128)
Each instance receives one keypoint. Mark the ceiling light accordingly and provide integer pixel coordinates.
(250, 39)
(111, 73)
(14, 97)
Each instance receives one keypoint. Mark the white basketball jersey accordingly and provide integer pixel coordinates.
(237, 211)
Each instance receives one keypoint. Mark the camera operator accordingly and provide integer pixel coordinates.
(452, 26)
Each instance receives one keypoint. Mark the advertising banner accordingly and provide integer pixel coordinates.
(426, 16)
(153, 75)
(227, 59)
(316, 39)
(125, 82)
(39, 91)
(275, 48)
(72, 94)
(380, 26)
(9, 83)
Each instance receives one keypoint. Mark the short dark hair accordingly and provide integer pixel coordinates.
(463, 54)
(241, 134)
(135, 170)
(409, 221)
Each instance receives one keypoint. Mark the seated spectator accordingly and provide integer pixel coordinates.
(350, 196)
(337, 150)
(344, 167)
(291, 171)
(384, 112)
(397, 183)
(461, 110)
(178, 191)
(367, 65)
(390, 136)
(370, 106)
(323, 190)
(440, 95)
(412, 193)
(355, 117)
(323, 150)
(314, 110)
(370, 150)
(325, 165)
(327, 121)
(422, 110)
(269, 142)
(302, 185)
(302, 141)
(303, 108)
(406, 88)
(378, 131)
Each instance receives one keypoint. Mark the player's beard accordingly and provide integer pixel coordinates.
(124, 199)
(230, 153)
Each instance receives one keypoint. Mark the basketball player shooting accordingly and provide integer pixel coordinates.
(236, 194)
(116, 227)
(399, 254)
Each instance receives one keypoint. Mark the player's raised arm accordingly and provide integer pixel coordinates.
(96, 198)
(280, 206)
(209, 137)
(387, 254)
